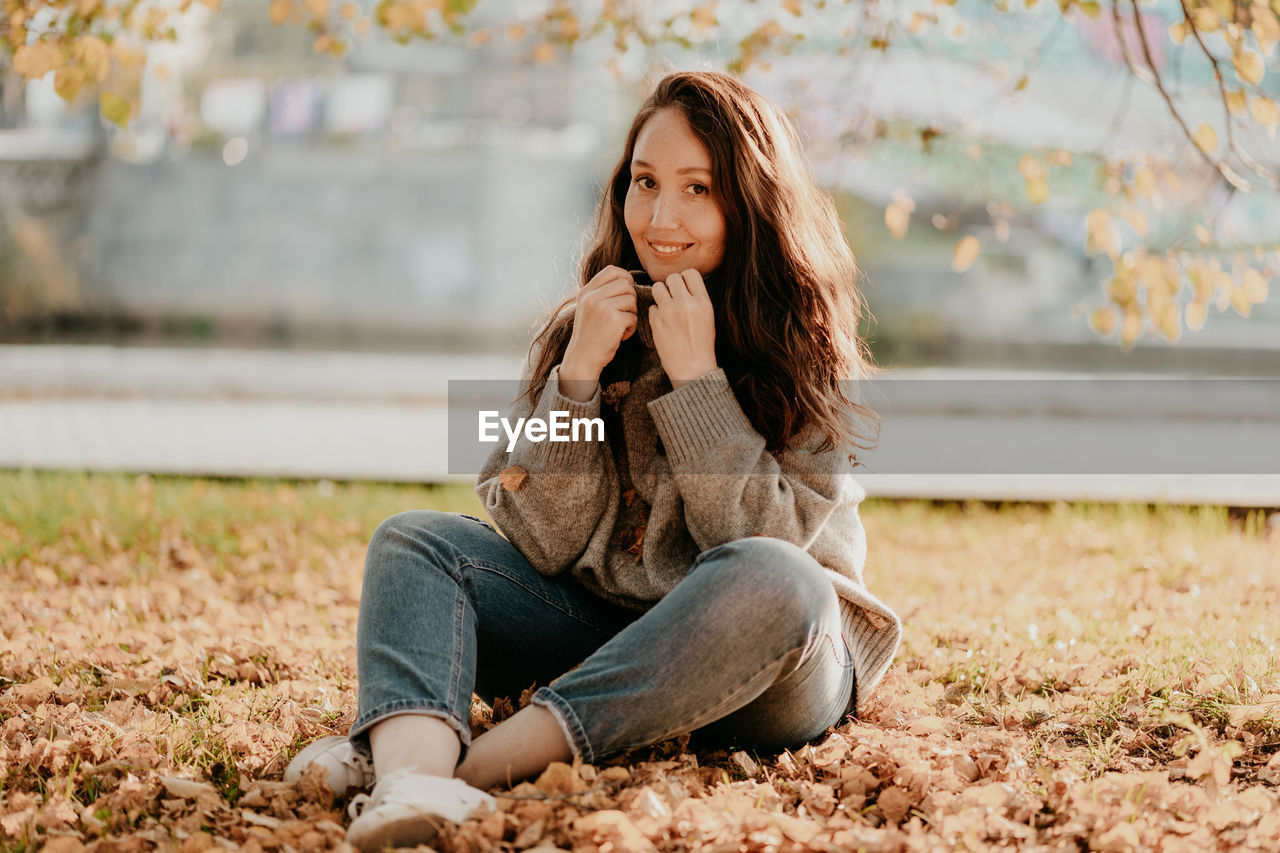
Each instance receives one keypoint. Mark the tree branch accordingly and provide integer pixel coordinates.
(1262, 171)
(1153, 77)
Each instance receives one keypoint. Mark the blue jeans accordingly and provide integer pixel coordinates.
(746, 649)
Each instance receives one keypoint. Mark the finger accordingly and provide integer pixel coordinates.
(675, 283)
(697, 287)
(661, 295)
(623, 307)
(607, 276)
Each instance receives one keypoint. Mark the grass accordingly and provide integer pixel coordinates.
(1114, 667)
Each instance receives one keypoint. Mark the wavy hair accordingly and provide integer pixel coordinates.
(786, 297)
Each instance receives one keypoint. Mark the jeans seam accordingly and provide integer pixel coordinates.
(568, 720)
(455, 667)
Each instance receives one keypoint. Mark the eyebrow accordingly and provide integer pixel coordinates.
(642, 164)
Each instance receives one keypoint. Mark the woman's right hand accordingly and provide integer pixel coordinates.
(604, 317)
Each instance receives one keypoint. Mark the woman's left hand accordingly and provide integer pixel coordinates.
(684, 327)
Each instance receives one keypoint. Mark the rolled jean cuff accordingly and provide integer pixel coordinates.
(574, 732)
(359, 734)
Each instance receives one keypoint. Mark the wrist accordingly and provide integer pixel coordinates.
(576, 382)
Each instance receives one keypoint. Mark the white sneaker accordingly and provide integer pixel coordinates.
(407, 808)
(348, 770)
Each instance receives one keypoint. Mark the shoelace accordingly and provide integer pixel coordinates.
(359, 763)
(356, 807)
(361, 801)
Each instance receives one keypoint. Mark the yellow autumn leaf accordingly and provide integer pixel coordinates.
(1179, 31)
(1201, 281)
(1240, 302)
(1236, 101)
(1206, 138)
(1037, 190)
(1103, 321)
(1249, 66)
(1254, 286)
(1196, 313)
(279, 11)
(965, 253)
(1131, 328)
(1202, 234)
(317, 8)
(1169, 322)
(704, 17)
(115, 107)
(897, 214)
(214, 5)
(33, 61)
(68, 82)
(1206, 19)
(1101, 237)
(1137, 219)
(1030, 167)
(544, 52)
(795, 7)
(95, 55)
(1265, 112)
(348, 11)
(1145, 180)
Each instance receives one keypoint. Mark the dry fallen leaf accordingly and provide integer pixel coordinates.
(512, 477)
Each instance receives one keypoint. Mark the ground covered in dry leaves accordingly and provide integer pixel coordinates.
(1072, 677)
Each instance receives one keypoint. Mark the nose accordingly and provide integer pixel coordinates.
(664, 216)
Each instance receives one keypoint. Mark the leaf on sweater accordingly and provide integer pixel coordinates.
(637, 541)
(615, 393)
(512, 478)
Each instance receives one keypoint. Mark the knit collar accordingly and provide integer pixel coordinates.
(644, 299)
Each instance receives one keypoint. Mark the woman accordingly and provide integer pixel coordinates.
(700, 569)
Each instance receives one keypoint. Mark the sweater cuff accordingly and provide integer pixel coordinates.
(697, 416)
(567, 455)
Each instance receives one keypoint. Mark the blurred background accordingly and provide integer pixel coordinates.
(280, 224)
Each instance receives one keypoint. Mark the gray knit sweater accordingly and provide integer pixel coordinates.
(629, 525)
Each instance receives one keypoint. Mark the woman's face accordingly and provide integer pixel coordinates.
(674, 221)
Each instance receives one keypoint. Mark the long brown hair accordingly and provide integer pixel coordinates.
(786, 298)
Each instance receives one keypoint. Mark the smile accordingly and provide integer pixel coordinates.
(668, 248)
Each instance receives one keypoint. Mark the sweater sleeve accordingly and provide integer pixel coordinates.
(731, 485)
(548, 497)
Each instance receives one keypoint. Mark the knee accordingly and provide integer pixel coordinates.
(403, 527)
(770, 578)
(412, 532)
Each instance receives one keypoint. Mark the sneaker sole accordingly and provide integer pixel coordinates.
(408, 831)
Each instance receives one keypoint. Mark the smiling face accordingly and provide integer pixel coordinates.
(673, 218)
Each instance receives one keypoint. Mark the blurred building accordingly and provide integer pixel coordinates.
(432, 194)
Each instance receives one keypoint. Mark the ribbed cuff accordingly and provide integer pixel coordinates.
(697, 416)
(567, 455)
